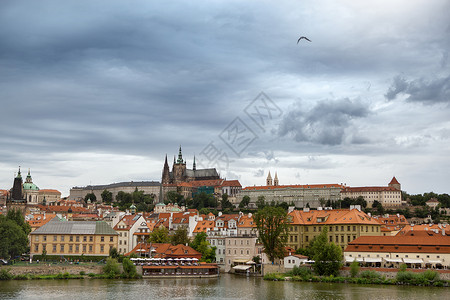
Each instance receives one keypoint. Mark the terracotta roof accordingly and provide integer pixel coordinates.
(203, 226)
(335, 216)
(394, 181)
(128, 221)
(166, 250)
(40, 219)
(434, 243)
(304, 186)
(231, 183)
(49, 191)
(348, 189)
(246, 221)
(425, 228)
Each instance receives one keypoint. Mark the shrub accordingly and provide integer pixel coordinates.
(404, 276)
(82, 273)
(21, 277)
(5, 274)
(354, 269)
(431, 275)
(403, 267)
(111, 268)
(91, 274)
(369, 274)
(129, 269)
(274, 277)
(302, 271)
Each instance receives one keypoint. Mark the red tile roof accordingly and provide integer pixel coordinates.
(433, 243)
(304, 186)
(394, 181)
(166, 250)
(335, 216)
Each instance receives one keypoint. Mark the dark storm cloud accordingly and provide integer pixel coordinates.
(427, 91)
(326, 123)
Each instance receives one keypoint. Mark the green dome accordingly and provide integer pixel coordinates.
(30, 186)
(133, 206)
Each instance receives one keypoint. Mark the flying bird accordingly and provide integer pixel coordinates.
(303, 37)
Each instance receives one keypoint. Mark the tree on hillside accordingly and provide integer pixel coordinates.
(245, 202)
(90, 196)
(327, 256)
(225, 203)
(272, 225)
(107, 197)
(261, 202)
(160, 235)
(16, 216)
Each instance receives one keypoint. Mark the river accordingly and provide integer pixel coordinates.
(226, 287)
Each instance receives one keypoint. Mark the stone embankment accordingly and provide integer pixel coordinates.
(392, 273)
(48, 269)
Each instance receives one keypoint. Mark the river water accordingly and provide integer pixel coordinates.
(226, 287)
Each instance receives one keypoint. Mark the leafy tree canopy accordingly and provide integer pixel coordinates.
(160, 235)
(272, 225)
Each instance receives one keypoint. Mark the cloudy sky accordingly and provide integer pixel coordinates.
(96, 92)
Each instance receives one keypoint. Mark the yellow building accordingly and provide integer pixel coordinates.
(344, 226)
(57, 237)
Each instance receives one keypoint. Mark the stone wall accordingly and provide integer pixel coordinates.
(269, 268)
(46, 269)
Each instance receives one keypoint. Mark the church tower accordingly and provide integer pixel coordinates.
(275, 180)
(166, 173)
(17, 190)
(269, 180)
(179, 168)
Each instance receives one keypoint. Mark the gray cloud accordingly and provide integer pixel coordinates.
(436, 90)
(326, 123)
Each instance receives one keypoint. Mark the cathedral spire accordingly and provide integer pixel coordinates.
(194, 167)
(180, 156)
(269, 180)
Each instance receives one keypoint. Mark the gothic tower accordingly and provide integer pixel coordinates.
(275, 180)
(395, 184)
(269, 180)
(17, 190)
(166, 173)
(179, 168)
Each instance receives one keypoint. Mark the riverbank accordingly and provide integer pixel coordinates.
(426, 278)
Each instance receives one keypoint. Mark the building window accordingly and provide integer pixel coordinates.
(36, 239)
(102, 239)
(62, 248)
(84, 238)
(337, 228)
(36, 248)
(84, 248)
(342, 228)
(77, 239)
(348, 228)
(111, 239)
(306, 238)
(342, 238)
(91, 239)
(90, 248)
(71, 238)
(55, 238)
(77, 248)
(314, 228)
(348, 239)
(354, 228)
(331, 239)
(54, 248)
(337, 238)
(102, 248)
(70, 248)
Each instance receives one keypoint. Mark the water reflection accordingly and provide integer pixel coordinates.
(225, 287)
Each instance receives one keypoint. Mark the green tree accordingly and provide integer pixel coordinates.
(261, 202)
(202, 245)
(327, 256)
(354, 269)
(174, 197)
(16, 216)
(225, 203)
(160, 235)
(90, 196)
(129, 269)
(113, 253)
(180, 236)
(107, 197)
(13, 241)
(245, 202)
(272, 225)
(111, 268)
